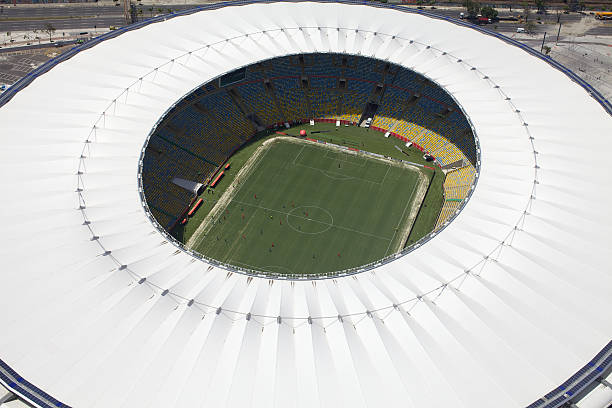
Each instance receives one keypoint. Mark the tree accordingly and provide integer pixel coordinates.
(530, 27)
(541, 6)
(49, 29)
(489, 12)
(471, 7)
(526, 11)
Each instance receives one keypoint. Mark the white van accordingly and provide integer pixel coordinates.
(520, 30)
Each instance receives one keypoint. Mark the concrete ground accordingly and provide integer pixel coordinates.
(16, 64)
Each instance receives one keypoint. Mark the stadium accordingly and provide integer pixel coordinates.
(307, 204)
(253, 108)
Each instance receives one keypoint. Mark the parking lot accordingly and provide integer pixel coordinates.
(16, 64)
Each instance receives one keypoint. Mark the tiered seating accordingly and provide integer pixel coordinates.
(355, 99)
(458, 182)
(203, 129)
(325, 83)
(411, 125)
(255, 74)
(323, 103)
(457, 185)
(163, 197)
(291, 98)
(323, 66)
(436, 95)
(395, 103)
(448, 137)
(285, 67)
(198, 134)
(260, 102)
(448, 210)
(228, 117)
(364, 70)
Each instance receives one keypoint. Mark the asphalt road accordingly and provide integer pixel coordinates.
(35, 18)
(605, 29)
(105, 16)
(62, 24)
(35, 46)
(16, 12)
(548, 17)
(87, 17)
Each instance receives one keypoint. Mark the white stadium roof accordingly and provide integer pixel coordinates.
(505, 304)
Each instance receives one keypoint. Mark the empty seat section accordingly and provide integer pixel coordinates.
(457, 186)
(201, 131)
(363, 69)
(323, 102)
(355, 99)
(291, 98)
(391, 108)
(260, 102)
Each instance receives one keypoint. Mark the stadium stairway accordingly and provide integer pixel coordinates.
(211, 123)
(272, 92)
(248, 113)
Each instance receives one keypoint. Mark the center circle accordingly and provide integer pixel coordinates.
(247, 170)
(310, 219)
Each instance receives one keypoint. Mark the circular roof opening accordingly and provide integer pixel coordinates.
(309, 165)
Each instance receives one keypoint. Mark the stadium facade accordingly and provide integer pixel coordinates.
(508, 305)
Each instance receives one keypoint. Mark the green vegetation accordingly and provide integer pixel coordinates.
(49, 30)
(430, 208)
(541, 6)
(323, 210)
(489, 12)
(308, 209)
(471, 7)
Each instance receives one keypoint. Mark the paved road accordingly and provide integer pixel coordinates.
(549, 20)
(16, 12)
(105, 16)
(42, 46)
(548, 17)
(35, 18)
(605, 29)
(62, 24)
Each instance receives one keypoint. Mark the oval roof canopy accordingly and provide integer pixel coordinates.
(502, 306)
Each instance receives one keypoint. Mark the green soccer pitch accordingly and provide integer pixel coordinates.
(293, 207)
